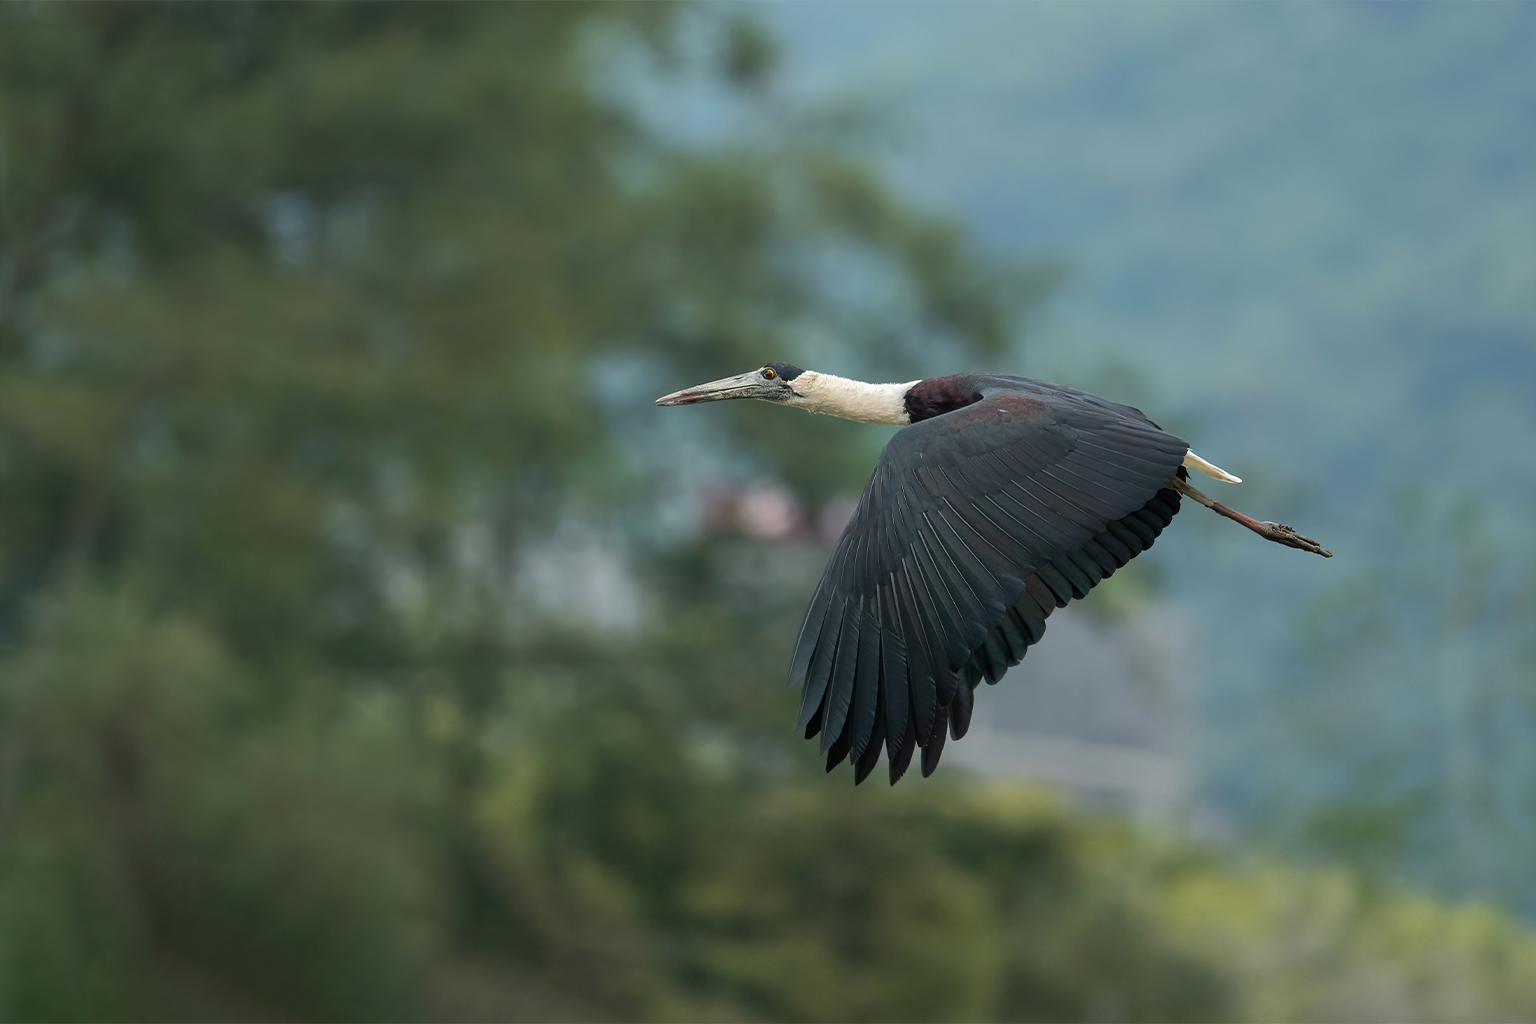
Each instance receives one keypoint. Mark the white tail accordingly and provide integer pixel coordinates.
(1193, 461)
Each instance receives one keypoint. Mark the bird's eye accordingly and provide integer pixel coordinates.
(768, 373)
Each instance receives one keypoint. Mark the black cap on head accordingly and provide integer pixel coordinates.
(786, 371)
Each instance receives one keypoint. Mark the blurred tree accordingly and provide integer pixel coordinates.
(1325, 945)
(299, 308)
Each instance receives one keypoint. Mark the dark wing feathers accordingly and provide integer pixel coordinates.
(899, 753)
(935, 747)
(840, 680)
(896, 704)
(1014, 636)
(813, 727)
(975, 526)
(922, 663)
(960, 712)
(865, 760)
(839, 751)
(813, 653)
(866, 684)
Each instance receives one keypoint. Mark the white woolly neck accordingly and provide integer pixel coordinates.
(851, 399)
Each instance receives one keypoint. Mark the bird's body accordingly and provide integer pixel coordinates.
(1000, 500)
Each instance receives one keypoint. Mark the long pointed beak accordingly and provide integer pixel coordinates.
(743, 385)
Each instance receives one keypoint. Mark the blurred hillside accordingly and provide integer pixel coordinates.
(363, 651)
(1305, 237)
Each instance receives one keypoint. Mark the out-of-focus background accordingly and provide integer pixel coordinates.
(372, 648)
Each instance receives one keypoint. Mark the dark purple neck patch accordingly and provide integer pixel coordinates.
(938, 395)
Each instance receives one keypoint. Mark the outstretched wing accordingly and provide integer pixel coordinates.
(976, 524)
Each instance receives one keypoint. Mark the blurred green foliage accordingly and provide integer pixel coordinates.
(302, 313)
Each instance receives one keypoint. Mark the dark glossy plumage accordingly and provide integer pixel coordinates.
(1005, 498)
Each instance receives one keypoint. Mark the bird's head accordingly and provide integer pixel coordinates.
(772, 383)
(785, 384)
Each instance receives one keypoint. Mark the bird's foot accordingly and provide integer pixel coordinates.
(1277, 532)
(1282, 534)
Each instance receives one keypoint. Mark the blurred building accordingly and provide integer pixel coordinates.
(1099, 708)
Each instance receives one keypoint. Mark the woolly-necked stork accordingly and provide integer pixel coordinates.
(999, 500)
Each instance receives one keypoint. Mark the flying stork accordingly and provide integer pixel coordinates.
(1001, 499)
